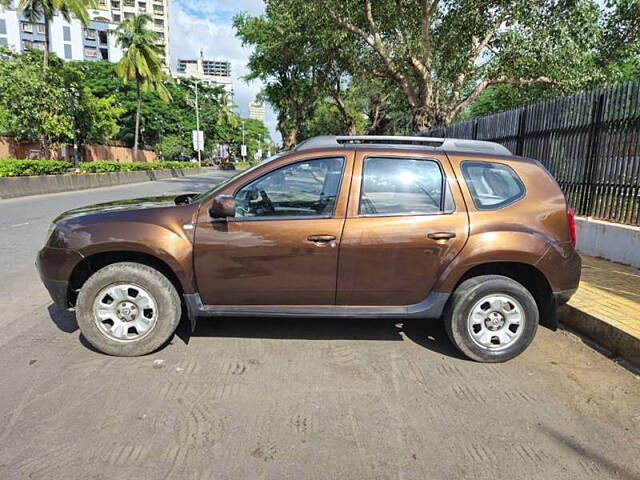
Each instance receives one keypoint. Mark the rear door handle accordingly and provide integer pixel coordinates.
(441, 235)
(321, 238)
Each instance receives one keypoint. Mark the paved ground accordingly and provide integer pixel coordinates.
(611, 292)
(249, 398)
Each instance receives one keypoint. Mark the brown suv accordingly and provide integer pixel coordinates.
(340, 227)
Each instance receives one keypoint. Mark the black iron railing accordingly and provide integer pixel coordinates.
(590, 142)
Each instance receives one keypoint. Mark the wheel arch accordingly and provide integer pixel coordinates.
(529, 276)
(94, 262)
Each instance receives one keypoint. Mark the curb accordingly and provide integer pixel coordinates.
(612, 338)
(13, 187)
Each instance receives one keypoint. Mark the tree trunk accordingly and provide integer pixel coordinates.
(137, 133)
(423, 119)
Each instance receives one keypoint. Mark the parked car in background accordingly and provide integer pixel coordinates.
(401, 227)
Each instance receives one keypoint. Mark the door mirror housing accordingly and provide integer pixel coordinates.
(223, 206)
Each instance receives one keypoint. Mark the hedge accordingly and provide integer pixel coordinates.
(20, 168)
(104, 167)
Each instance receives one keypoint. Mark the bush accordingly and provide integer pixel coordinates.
(23, 168)
(105, 167)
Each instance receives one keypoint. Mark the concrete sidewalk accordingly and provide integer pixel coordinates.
(606, 307)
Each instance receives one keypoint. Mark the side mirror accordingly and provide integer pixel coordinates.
(223, 206)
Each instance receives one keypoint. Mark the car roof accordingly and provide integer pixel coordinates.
(453, 145)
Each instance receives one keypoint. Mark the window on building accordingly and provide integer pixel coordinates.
(90, 52)
(142, 5)
(90, 34)
(158, 9)
(39, 45)
(117, 18)
(115, 5)
(102, 3)
(129, 3)
(27, 44)
(66, 34)
(158, 22)
(492, 185)
(3, 26)
(26, 27)
(67, 52)
(103, 37)
(40, 28)
(104, 53)
(397, 186)
(3, 42)
(128, 15)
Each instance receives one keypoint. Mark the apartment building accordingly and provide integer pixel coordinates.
(209, 72)
(158, 10)
(257, 110)
(73, 41)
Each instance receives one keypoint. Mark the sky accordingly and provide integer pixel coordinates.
(208, 25)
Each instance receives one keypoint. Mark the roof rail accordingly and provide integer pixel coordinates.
(449, 144)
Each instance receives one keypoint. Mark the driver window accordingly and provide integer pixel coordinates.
(304, 189)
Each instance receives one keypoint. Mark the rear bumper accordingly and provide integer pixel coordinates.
(54, 267)
(563, 297)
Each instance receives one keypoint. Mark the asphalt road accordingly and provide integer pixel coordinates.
(294, 398)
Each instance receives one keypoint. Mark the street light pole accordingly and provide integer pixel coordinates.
(198, 127)
(243, 147)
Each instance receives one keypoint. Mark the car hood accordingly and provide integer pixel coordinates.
(129, 204)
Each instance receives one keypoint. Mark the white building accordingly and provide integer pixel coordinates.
(73, 41)
(208, 72)
(257, 110)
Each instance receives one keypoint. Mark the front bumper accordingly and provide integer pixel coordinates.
(55, 266)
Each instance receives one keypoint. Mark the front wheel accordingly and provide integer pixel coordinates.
(128, 309)
(491, 318)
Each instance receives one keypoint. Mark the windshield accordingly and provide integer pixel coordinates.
(239, 174)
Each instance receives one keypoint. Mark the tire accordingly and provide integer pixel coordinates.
(146, 296)
(492, 334)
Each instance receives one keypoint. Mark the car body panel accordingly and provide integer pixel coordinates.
(270, 261)
(390, 260)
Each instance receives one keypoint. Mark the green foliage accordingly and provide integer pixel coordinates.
(419, 63)
(21, 168)
(107, 167)
(52, 110)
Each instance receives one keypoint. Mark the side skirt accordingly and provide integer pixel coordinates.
(430, 307)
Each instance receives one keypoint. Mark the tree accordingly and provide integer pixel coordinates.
(281, 60)
(36, 10)
(140, 63)
(58, 109)
(441, 55)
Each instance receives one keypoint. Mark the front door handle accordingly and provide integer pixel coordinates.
(321, 238)
(441, 235)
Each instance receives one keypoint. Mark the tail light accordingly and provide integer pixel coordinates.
(571, 219)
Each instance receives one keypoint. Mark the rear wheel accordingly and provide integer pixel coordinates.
(491, 318)
(128, 309)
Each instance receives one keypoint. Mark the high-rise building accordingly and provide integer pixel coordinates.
(158, 10)
(208, 72)
(73, 41)
(257, 110)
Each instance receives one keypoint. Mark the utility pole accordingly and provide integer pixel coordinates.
(198, 127)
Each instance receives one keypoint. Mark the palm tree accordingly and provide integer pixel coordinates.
(36, 10)
(140, 63)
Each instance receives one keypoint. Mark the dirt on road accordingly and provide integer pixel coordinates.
(318, 399)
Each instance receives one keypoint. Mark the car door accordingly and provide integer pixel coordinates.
(281, 248)
(406, 221)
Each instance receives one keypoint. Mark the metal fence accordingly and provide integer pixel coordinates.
(590, 143)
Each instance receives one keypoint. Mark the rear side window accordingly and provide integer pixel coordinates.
(492, 185)
(396, 186)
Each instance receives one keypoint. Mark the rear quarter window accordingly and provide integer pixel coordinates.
(492, 185)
